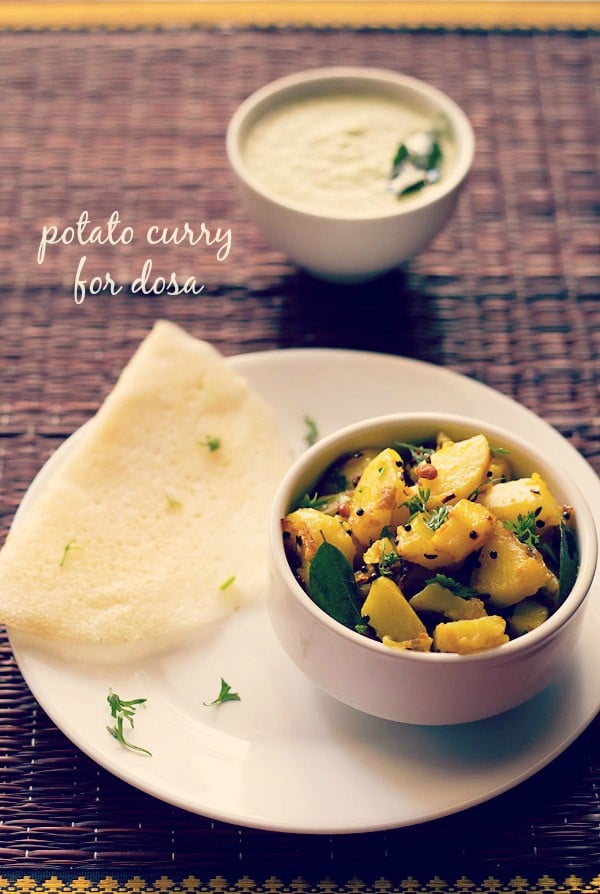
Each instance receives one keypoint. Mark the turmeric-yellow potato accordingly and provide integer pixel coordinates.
(474, 635)
(466, 528)
(420, 643)
(527, 615)
(509, 571)
(305, 529)
(381, 551)
(414, 543)
(460, 468)
(379, 495)
(500, 468)
(389, 613)
(509, 499)
(442, 438)
(439, 599)
(354, 465)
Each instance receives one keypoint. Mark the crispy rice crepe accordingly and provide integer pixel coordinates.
(158, 501)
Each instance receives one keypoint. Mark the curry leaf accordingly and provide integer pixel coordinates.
(332, 586)
(569, 562)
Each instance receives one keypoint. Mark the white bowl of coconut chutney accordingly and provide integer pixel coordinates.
(349, 171)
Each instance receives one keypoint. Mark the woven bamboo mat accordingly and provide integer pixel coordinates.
(508, 294)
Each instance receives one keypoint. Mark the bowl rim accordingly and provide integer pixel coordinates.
(293, 83)
(510, 651)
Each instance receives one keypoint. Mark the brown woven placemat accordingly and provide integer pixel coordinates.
(508, 293)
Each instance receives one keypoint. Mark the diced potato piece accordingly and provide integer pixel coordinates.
(507, 500)
(469, 636)
(414, 543)
(509, 571)
(442, 438)
(355, 464)
(467, 527)
(461, 466)
(378, 494)
(304, 531)
(389, 613)
(528, 615)
(420, 643)
(436, 598)
(500, 468)
(381, 549)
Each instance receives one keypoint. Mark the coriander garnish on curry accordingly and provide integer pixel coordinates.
(433, 547)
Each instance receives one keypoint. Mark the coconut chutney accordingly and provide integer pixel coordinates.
(332, 153)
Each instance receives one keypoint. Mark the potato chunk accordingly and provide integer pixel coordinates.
(354, 465)
(439, 599)
(460, 468)
(389, 613)
(377, 500)
(528, 615)
(466, 528)
(500, 468)
(474, 635)
(304, 530)
(509, 571)
(509, 499)
(380, 552)
(420, 643)
(414, 543)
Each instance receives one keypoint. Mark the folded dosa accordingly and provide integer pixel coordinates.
(162, 498)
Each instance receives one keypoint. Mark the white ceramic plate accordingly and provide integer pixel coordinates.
(287, 757)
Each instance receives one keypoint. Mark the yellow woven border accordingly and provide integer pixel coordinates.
(128, 14)
(545, 884)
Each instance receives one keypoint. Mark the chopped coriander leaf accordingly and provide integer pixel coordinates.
(524, 528)
(418, 503)
(225, 695)
(213, 442)
(451, 584)
(122, 710)
(499, 451)
(386, 564)
(66, 549)
(417, 452)
(227, 583)
(314, 502)
(173, 502)
(437, 517)
(312, 432)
